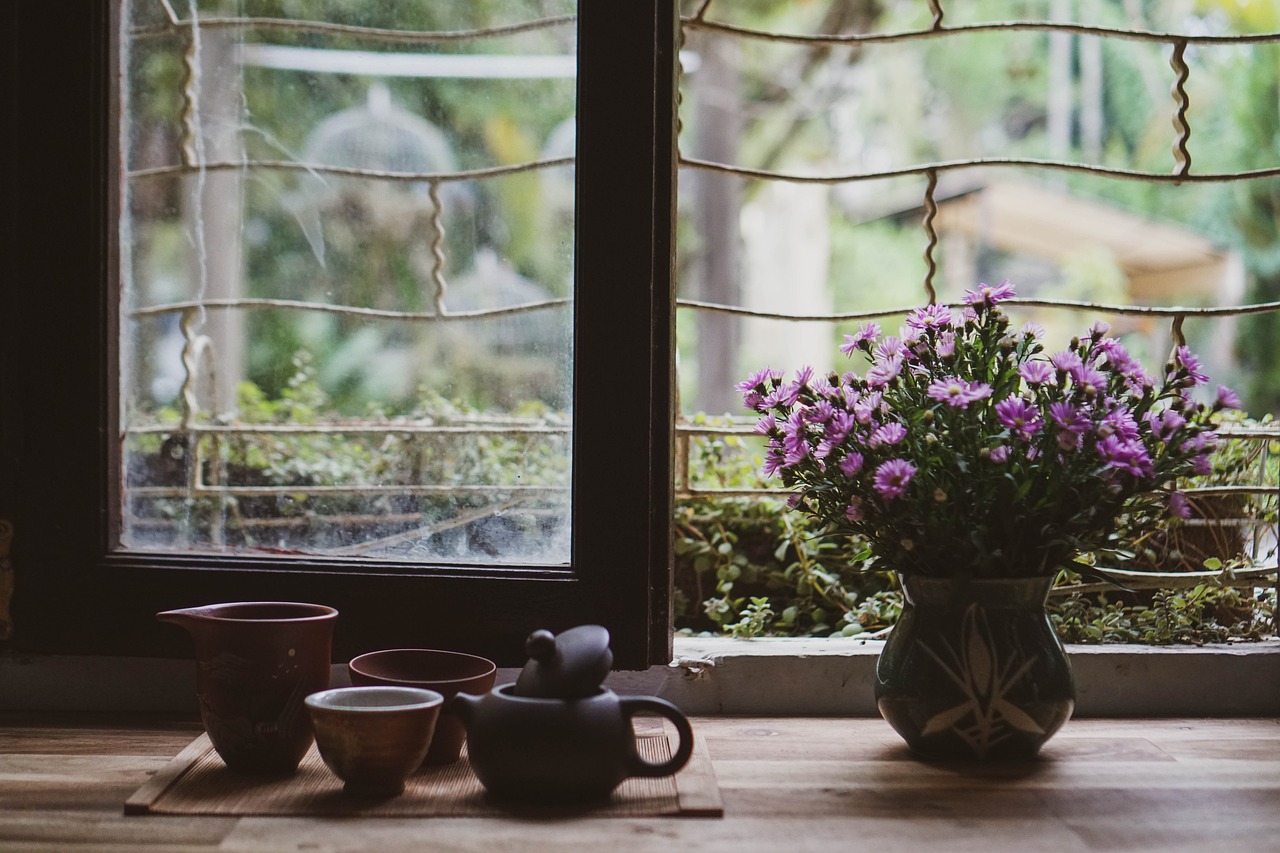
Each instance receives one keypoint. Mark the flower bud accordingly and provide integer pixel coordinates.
(939, 495)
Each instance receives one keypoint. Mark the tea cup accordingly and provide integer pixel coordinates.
(373, 738)
(447, 673)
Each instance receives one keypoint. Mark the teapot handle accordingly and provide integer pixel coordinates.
(633, 705)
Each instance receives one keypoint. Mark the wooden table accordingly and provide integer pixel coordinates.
(788, 784)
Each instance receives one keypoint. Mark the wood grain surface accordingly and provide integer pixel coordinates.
(794, 784)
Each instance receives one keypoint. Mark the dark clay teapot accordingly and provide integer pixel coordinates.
(556, 735)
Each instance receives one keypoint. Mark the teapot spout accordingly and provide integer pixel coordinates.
(186, 617)
(463, 706)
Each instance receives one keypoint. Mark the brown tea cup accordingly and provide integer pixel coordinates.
(447, 673)
(373, 738)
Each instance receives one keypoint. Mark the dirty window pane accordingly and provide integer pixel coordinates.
(346, 251)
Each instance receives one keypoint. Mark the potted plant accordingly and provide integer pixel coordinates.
(976, 466)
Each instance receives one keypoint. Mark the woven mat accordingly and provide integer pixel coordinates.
(196, 782)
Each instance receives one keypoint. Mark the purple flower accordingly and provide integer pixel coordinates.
(1032, 330)
(929, 317)
(890, 433)
(1117, 355)
(1178, 505)
(1069, 440)
(1119, 421)
(1087, 379)
(988, 295)
(1199, 441)
(854, 511)
(773, 462)
(1036, 372)
(1068, 417)
(794, 439)
(1124, 455)
(819, 413)
(1227, 399)
(884, 372)
(851, 464)
(892, 477)
(1099, 329)
(946, 345)
(1136, 379)
(766, 425)
(1065, 360)
(999, 454)
(1201, 466)
(752, 386)
(759, 379)
(866, 332)
(957, 393)
(1188, 362)
(839, 426)
(1165, 424)
(1019, 417)
(889, 347)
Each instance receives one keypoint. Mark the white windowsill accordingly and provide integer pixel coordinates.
(725, 676)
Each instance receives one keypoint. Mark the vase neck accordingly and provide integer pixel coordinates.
(1016, 593)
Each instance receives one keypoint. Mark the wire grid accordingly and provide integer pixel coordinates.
(200, 425)
(1263, 530)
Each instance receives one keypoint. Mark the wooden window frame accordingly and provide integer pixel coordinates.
(78, 592)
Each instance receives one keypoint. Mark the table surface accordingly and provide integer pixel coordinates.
(788, 784)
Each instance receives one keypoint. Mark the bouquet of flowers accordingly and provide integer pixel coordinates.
(967, 451)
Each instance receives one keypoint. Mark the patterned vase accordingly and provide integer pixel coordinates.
(974, 671)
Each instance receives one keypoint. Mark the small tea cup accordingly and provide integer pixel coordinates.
(447, 673)
(373, 738)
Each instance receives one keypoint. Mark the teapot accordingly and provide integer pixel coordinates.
(558, 736)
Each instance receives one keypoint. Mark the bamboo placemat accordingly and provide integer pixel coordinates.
(196, 782)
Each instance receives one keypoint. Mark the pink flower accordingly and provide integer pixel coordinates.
(946, 345)
(890, 433)
(988, 295)
(884, 372)
(1227, 399)
(1036, 372)
(1065, 360)
(866, 332)
(1183, 357)
(851, 464)
(892, 477)
(1019, 417)
(1178, 505)
(929, 317)
(854, 511)
(957, 393)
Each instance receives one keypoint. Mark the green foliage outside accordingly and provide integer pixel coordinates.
(749, 567)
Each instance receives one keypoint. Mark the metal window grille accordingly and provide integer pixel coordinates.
(199, 431)
(1256, 484)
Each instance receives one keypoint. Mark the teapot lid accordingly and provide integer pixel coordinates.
(567, 665)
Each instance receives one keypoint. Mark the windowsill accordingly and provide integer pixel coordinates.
(777, 677)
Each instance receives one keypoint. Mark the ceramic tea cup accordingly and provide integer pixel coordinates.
(373, 738)
(447, 673)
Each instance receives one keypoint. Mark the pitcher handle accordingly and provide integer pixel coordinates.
(634, 705)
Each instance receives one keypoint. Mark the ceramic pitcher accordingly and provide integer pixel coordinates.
(255, 664)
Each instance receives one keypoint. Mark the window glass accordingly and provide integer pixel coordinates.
(346, 250)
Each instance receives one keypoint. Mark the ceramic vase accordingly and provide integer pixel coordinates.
(974, 671)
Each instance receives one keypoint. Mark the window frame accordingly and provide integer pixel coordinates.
(77, 593)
